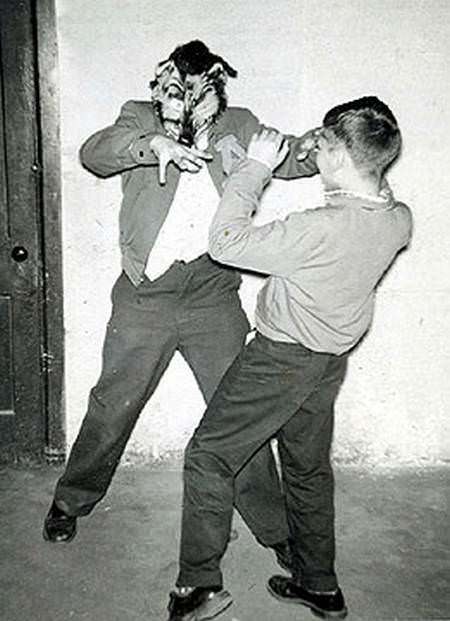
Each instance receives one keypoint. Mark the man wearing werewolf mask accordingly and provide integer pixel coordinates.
(189, 91)
(171, 296)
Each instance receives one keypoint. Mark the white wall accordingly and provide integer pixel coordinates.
(296, 58)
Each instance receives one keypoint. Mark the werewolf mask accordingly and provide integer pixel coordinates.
(188, 91)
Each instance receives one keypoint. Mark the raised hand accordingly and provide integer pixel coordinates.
(186, 158)
(268, 147)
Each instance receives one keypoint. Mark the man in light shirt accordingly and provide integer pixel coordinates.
(324, 265)
(171, 296)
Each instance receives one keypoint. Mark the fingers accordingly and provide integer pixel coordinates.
(199, 153)
(283, 151)
(270, 136)
(253, 140)
(189, 165)
(190, 155)
(309, 143)
(190, 159)
(275, 139)
(268, 147)
(184, 162)
(163, 162)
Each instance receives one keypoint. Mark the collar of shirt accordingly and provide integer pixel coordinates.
(384, 200)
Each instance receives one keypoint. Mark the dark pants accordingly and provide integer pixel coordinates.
(193, 308)
(271, 389)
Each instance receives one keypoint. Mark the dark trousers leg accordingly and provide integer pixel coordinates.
(210, 341)
(140, 341)
(304, 444)
(259, 498)
(262, 390)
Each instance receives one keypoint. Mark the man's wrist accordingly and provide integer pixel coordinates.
(262, 162)
(141, 148)
(252, 174)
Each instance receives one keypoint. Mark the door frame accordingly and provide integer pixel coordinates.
(48, 122)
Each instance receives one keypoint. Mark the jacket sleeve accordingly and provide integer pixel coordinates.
(290, 168)
(123, 145)
(276, 248)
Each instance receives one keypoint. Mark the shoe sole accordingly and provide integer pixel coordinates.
(213, 607)
(318, 612)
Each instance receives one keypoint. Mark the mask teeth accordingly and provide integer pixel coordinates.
(187, 133)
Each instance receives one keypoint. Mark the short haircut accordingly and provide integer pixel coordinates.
(369, 131)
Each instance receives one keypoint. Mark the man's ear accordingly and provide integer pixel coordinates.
(338, 156)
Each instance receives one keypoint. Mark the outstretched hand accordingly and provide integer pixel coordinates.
(186, 158)
(309, 143)
(269, 147)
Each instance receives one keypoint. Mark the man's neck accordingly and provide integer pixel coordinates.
(355, 184)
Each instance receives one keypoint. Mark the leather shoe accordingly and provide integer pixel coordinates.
(324, 605)
(200, 604)
(58, 526)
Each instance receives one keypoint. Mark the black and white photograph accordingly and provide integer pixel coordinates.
(224, 310)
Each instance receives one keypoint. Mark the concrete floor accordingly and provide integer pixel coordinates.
(393, 551)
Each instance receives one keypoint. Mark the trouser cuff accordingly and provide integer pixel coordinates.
(200, 579)
(324, 583)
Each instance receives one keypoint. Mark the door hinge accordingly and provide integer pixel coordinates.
(46, 360)
(54, 456)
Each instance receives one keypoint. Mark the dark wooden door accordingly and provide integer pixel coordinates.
(22, 354)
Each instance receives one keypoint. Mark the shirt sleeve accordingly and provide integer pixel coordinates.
(121, 146)
(278, 247)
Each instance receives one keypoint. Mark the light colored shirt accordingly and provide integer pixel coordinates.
(324, 263)
(184, 234)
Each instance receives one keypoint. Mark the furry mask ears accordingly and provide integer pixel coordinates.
(166, 73)
(163, 70)
(164, 66)
(218, 72)
(226, 68)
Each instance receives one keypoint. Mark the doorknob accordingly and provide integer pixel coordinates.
(19, 254)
